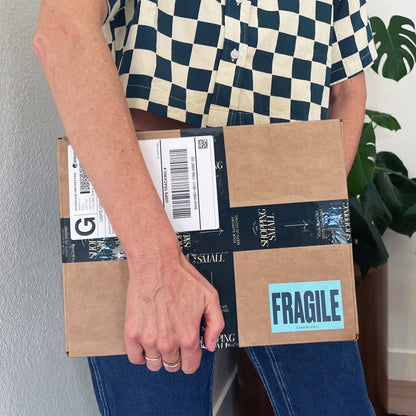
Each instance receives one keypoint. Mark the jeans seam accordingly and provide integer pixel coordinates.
(266, 385)
(212, 383)
(279, 378)
(283, 384)
(100, 387)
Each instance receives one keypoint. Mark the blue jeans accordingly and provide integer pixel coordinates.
(324, 379)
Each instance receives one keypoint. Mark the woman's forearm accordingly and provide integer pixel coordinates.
(166, 296)
(90, 100)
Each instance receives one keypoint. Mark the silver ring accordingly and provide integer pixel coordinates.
(151, 359)
(172, 365)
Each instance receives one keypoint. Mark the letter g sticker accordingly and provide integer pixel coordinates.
(86, 228)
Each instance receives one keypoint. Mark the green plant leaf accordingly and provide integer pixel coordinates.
(392, 163)
(368, 246)
(397, 44)
(387, 191)
(383, 120)
(407, 191)
(362, 171)
(410, 217)
(374, 208)
(405, 223)
(404, 219)
(408, 225)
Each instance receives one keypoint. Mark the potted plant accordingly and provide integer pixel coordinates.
(381, 193)
(381, 196)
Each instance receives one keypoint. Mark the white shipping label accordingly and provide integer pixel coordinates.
(87, 216)
(183, 173)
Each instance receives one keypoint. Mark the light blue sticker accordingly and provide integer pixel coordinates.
(306, 306)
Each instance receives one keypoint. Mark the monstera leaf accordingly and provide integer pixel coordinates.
(396, 46)
(362, 171)
(384, 120)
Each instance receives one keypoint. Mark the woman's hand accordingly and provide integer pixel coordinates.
(166, 299)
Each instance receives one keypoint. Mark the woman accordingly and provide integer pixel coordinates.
(199, 63)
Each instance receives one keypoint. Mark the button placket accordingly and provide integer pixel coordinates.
(236, 14)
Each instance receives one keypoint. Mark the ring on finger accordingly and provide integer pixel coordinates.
(152, 359)
(172, 365)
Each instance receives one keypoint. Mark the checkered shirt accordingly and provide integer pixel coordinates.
(223, 62)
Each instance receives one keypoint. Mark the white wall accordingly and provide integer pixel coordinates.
(398, 99)
(36, 378)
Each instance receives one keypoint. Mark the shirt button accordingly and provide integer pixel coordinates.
(234, 54)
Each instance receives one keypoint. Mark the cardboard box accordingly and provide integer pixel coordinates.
(281, 257)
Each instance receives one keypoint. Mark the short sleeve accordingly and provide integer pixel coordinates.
(115, 25)
(353, 48)
(114, 6)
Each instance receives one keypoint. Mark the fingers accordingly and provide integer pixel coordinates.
(172, 358)
(172, 365)
(214, 321)
(162, 326)
(191, 358)
(213, 316)
(183, 353)
(154, 357)
(139, 354)
(169, 352)
(134, 350)
(153, 360)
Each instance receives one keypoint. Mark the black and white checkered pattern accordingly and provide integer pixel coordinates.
(219, 62)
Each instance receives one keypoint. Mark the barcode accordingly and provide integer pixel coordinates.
(84, 183)
(194, 184)
(181, 194)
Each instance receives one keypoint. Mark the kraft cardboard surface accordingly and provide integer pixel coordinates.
(282, 165)
(281, 259)
(255, 270)
(94, 307)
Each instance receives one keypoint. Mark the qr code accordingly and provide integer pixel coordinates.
(202, 144)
